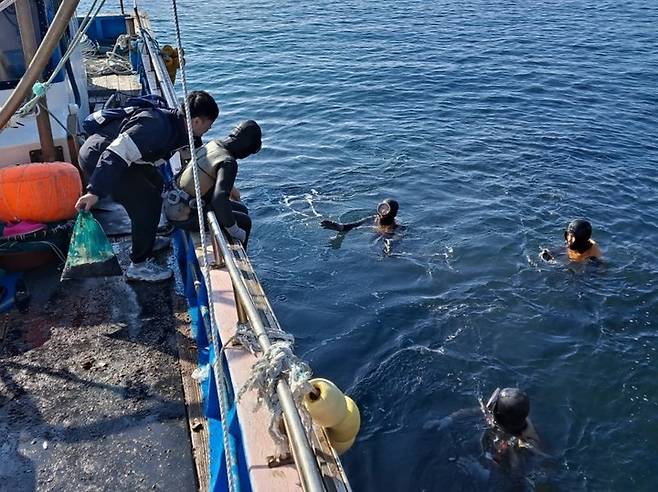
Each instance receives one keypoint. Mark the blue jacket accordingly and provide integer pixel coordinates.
(144, 137)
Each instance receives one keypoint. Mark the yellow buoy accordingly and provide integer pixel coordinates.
(334, 411)
(170, 57)
(341, 447)
(348, 428)
(327, 405)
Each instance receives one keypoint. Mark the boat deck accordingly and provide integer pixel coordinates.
(101, 87)
(90, 388)
(254, 421)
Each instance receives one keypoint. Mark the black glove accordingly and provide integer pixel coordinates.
(330, 224)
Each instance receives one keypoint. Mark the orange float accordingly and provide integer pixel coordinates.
(40, 192)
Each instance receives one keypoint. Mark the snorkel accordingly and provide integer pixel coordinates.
(581, 232)
(386, 211)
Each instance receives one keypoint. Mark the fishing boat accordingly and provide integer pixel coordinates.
(184, 385)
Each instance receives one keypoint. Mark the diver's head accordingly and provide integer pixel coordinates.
(577, 235)
(244, 139)
(510, 408)
(387, 210)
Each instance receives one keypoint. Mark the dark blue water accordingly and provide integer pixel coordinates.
(493, 124)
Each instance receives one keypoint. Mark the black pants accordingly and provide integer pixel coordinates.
(139, 191)
(240, 214)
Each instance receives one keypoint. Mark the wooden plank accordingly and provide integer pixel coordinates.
(113, 82)
(197, 423)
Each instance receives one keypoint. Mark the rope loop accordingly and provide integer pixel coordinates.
(277, 362)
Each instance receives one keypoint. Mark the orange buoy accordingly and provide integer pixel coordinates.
(40, 192)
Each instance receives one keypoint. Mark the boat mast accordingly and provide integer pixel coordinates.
(29, 43)
(50, 41)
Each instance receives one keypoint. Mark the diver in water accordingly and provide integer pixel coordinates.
(580, 246)
(510, 430)
(509, 441)
(383, 221)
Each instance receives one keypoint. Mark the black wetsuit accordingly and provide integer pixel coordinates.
(120, 161)
(374, 221)
(229, 212)
(243, 141)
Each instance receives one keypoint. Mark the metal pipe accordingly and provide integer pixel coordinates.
(29, 43)
(50, 41)
(217, 254)
(242, 315)
(301, 448)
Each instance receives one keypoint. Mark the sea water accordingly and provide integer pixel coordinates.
(493, 123)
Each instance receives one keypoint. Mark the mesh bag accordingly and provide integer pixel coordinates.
(90, 252)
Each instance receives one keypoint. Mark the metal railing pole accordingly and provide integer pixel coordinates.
(48, 44)
(242, 315)
(30, 46)
(299, 443)
(217, 254)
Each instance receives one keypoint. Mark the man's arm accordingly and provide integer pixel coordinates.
(221, 199)
(335, 226)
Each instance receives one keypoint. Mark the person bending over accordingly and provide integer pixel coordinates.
(120, 160)
(383, 221)
(217, 164)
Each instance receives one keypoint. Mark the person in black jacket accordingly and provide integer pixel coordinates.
(120, 160)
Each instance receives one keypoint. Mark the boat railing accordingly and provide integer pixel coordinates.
(300, 444)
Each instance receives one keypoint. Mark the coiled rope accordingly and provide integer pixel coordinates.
(110, 63)
(231, 467)
(276, 362)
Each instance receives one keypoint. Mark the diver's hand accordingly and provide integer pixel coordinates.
(86, 201)
(235, 194)
(546, 255)
(330, 224)
(237, 233)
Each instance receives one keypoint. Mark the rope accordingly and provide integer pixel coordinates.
(223, 403)
(245, 336)
(6, 3)
(271, 366)
(111, 63)
(41, 107)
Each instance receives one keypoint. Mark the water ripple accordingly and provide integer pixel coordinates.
(493, 124)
